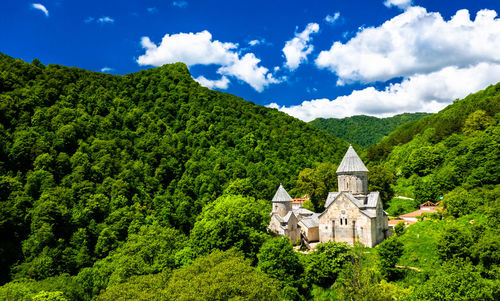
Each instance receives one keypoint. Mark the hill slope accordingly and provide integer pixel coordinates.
(364, 130)
(87, 158)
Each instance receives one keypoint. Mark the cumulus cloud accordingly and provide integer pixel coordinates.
(105, 19)
(297, 49)
(246, 69)
(106, 69)
(180, 4)
(189, 48)
(332, 19)
(402, 4)
(420, 93)
(414, 42)
(200, 49)
(221, 83)
(41, 8)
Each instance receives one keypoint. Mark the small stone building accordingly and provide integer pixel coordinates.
(350, 215)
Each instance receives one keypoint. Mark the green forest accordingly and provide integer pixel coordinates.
(364, 130)
(148, 186)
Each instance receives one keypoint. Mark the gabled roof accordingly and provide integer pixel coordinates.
(351, 162)
(310, 221)
(281, 195)
(287, 217)
(373, 198)
(302, 211)
(331, 197)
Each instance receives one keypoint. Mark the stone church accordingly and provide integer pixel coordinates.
(351, 214)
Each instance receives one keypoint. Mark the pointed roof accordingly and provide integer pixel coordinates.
(281, 195)
(351, 162)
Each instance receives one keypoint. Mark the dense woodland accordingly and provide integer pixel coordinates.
(364, 130)
(150, 187)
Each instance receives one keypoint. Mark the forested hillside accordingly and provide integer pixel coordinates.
(87, 160)
(453, 157)
(364, 130)
(148, 186)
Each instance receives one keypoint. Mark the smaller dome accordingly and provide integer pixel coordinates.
(281, 195)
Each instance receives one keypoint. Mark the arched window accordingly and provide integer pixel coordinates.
(340, 221)
(345, 220)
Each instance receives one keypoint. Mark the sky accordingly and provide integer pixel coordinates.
(309, 59)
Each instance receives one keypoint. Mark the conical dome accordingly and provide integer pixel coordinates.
(281, 196)
(351, 162)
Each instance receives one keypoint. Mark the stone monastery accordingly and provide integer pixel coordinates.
(352, 214)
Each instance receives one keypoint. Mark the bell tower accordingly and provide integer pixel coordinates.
(352, 174)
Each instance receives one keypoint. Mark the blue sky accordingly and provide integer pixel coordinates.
(307, 58)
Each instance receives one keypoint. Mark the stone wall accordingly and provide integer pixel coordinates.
(355, 183)
(282, 208)
(333, 226)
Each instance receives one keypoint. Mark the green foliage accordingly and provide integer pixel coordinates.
(221, 276)
(419, 242)
(364, 130)
(457, 280)
(389, 251)
(398, 206)
(144, 287)
(278, 259)
(358, 280)
(49, 296)
(231, 221)
(381, 179)
(317, 183)
(87, 158)
(399, 228)
(323, 266)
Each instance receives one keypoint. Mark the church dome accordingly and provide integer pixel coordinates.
(351, 162)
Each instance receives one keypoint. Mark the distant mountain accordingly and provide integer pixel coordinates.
(364, 130)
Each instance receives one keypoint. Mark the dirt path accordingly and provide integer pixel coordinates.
(409, 268)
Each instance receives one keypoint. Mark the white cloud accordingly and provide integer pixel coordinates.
(297, 49)
(41, 8)
(246, 69)
(221, 83)
(199, 49)
(420, 93)
(254, 42)
(105, 19)
(106, 69)
(189, 48)
(402, 4)
(413, 42)
(332, 19)
(89, 20)
(180, 4)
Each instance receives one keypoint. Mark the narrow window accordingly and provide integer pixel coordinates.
(341, 221)
(345, 221)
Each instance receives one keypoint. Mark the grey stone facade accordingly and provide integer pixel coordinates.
(350, 215)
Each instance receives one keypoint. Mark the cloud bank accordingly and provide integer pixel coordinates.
(438, 60)
(200, 49)
(415, 41)
(420, 93)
